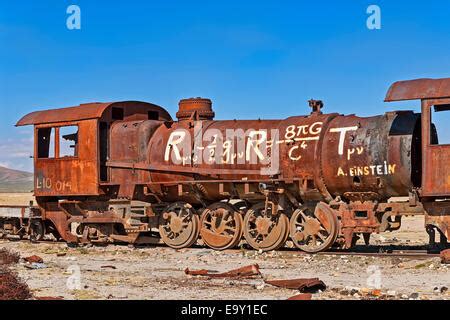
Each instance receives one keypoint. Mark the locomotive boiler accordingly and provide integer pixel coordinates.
(127, 172)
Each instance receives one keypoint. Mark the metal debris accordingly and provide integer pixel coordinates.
(244, 272)
(301, 296)
(7, 257)
(445, 256)
(12, 287)
(302, 285)
(108, 267)
(34, 259)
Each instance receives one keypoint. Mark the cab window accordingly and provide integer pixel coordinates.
(440, 118)
(67, 138)
(68, 143)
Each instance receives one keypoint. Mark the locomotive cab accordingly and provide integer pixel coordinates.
(434, 190)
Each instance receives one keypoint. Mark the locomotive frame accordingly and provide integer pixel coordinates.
(115, 187)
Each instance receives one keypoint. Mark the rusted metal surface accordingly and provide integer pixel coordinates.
(12, 287)
(435, 158)
(244, 272)
(367, 158)
(195, 109)
(180, 226)
(263, 230)
(221, 226)
(419, 89)
(303, 285)
(49, 298)
(314, 230)
(7, 257)
(301, 296)
(445, 256)
(92, 111)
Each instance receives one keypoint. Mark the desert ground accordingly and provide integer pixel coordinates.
(157, 272)
(16, 198)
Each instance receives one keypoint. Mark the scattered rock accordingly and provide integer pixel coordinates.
(414, 295)
(260, 287)
(344, 292)
(35, 266)
(391, 293)
(353, 292)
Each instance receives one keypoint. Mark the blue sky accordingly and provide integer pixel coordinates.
(254, 59)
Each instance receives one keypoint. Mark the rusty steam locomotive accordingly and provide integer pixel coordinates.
(127, 172)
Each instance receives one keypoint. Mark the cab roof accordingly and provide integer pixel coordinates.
(87, 111)
(419, 89)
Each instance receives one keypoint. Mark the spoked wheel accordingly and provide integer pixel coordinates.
(314, 231)
(180, 225)
(221, 226)
(263, 230)
(37, 230)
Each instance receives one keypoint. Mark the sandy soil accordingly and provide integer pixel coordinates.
(16, 198)
(122, 272)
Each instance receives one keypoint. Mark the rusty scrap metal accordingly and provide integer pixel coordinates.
(301, 296)
(7, 257)
(34, 259)
(49, 298)
(109, 267)
(244, 272)
(445, 256)
(12, 287)
(303, 285)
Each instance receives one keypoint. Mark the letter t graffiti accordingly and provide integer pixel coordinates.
(342, 132)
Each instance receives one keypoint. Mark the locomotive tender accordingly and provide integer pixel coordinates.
(127, 172)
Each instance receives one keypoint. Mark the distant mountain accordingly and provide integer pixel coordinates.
(15, 180)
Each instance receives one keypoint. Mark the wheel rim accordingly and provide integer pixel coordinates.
(314, 231)
(180, 225)
(221, 226)
(264, 231)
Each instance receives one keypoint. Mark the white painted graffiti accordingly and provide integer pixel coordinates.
(342, 132)
(370, 170)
